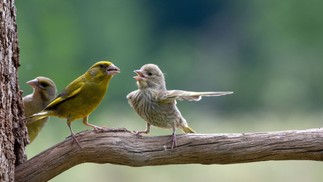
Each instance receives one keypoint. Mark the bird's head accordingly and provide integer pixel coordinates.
(44, 86)
(150, 76)
(103, 69)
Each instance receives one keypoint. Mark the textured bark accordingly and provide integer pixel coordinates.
(12, 127)
(124, 148)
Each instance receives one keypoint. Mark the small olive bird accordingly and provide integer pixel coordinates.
(44, 91)
(157, 105)
(81, 97)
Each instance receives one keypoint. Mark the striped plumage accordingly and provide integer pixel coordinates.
(157, 105)
(154, 112)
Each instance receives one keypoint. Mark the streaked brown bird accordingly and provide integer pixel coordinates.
(44, 91)
(81, 97)
(157, 105)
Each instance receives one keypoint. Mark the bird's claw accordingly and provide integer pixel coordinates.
(138, 133)
(173, 141)
(99, 129)
(74, 140)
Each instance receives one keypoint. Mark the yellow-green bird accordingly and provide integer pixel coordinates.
(82, 96)
(44, 91)
(157, 105)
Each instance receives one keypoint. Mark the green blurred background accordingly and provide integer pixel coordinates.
(268, 52)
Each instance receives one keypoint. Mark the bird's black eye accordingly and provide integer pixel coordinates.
(150, 74)
(43, 84)
(101, 66)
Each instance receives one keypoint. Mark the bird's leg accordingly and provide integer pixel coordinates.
(138, 133)
(96, 128)
(173, 138)
(72, 134)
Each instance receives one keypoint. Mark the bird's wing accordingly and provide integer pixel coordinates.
(130, 96)
(171, 95)
(37, 116)
(70, 91)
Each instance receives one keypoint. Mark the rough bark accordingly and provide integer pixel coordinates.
(12, 128)
(125, 148)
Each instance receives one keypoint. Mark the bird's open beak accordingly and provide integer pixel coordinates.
(140, 75)
(113, 70)
(33, 83)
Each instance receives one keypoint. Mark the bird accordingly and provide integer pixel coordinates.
(44, 91)
(81, 97)
(157, 105)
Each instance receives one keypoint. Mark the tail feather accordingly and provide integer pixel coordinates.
(188, 130)
(35, 117)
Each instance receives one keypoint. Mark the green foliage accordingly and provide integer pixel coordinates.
(267, 52)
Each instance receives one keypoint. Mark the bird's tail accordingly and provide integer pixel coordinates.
(187, 129)
(35, 117)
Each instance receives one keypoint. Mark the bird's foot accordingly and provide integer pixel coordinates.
(98, 129)
(138, 133)
(75, 140)
(173, 141)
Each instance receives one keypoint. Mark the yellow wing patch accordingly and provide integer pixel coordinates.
(65, 95)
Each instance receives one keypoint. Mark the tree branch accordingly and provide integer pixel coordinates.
(125, 148)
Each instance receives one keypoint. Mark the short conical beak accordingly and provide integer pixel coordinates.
(140, 75)
(112, 70)
(33, 83)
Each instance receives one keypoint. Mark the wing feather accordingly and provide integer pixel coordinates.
(66, 94)
(171, 95)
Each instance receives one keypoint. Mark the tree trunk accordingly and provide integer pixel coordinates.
(13, 133)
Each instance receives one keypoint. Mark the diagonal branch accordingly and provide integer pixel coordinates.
(124, 148)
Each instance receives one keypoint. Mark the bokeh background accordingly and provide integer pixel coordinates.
(268, 52)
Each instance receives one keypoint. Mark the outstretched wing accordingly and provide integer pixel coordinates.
(171, 95)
